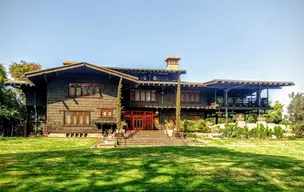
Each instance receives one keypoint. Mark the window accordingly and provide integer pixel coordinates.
(190, 97)
(107, 112)
(143, 95)
(194, 117)
(154, 78)
(77, 118)
(83, 89)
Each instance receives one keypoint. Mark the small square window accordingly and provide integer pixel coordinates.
(107, 112)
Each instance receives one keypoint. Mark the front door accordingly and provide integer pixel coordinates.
(138, 122)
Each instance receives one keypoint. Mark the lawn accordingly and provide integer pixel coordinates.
(49, 164)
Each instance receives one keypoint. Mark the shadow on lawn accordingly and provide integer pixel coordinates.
(149, 169)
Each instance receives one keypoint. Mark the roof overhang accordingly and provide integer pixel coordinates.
(173, 83)
(78, 65)
(246, 84)
(179, 71)
(16, 83)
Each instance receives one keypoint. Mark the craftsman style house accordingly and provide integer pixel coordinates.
(80, 98)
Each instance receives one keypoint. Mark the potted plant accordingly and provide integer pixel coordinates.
(220, 100)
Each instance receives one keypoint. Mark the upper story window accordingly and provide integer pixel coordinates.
(77, 118)
(190, 97)
(143, 95)
(83, 89)
(155, 78)
(107, 112)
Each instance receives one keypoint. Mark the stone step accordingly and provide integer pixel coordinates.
(152, 142)
(149, 134)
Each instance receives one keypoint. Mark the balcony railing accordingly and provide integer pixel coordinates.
(242, 102)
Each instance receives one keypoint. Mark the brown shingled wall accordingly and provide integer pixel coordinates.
(58, 102)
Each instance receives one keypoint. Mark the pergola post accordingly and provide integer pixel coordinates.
(267, 105)
(36, 115)
(259, 100)
(226, 105)
(215, 97)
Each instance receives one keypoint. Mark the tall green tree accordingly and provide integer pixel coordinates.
(296, 113)
(276, 114)
(3, 78)
(10, 107)
(119, 106)
(178, 105)
(3, 75)
(17, 70)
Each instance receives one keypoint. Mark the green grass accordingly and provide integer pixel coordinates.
(46, 164)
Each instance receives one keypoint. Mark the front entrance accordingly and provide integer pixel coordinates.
(139, 120)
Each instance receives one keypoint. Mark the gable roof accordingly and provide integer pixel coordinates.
(181, 71)
(77, 65)
(173, 83)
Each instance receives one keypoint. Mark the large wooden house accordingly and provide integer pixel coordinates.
(80, 98)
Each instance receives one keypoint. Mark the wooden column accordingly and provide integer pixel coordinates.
(226, 105)
(259, 100)
(215, 96)
(267, 98)
(36, 115)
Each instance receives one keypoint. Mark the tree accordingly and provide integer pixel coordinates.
(11, 109)
(17, 70)
(119, 107)
(296, 113)
(275, 115)
(3, 76)
(178, 106)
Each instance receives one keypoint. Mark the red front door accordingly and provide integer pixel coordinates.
(139, 120)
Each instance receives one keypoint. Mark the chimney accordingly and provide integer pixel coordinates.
(172, 62)
(69, 62)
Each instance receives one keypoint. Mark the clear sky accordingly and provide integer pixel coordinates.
(235, 39)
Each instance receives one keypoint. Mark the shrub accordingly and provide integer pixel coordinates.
(234, 131)
(291, 137)
(278, 132)
(191, 135)
(227, 132)
(254, 133)
(250, 119)
(260, 131)
(245, 132)
(195, 126)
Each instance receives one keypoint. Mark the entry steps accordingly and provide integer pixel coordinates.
(150, 138)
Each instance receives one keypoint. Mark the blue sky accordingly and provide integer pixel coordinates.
(255, 40)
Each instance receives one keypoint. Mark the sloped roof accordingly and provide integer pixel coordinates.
(76, 65)
(17, 83)
(183, 83)
(181, 71)
(248, 82)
